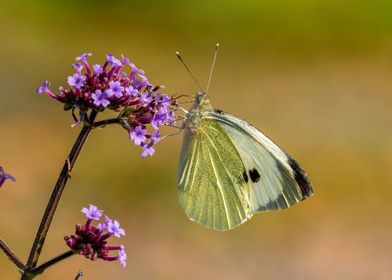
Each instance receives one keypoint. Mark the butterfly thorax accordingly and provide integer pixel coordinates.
(202, 104)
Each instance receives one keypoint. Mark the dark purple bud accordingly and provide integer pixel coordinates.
(4, 176)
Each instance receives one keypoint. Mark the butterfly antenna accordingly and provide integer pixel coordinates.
(212, 67)
(189, 71)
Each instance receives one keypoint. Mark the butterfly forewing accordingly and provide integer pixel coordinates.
(212, 187)
(277, 181)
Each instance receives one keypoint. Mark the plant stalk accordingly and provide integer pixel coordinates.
(41, 268)
(11, 255)
(55, 197)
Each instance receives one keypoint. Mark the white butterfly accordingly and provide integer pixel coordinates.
(229, 170)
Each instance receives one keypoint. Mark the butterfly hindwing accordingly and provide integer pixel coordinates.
(212, 185)
(277, 181)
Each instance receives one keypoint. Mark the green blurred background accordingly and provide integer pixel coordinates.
(314, 75)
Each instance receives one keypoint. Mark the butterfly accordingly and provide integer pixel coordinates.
(229, 170)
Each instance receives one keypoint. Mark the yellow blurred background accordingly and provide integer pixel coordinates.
(314, 75)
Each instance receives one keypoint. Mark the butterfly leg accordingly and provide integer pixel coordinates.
(180, 129)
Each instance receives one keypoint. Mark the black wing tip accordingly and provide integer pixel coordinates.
(301, 178)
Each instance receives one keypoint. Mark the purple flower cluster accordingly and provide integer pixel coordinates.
(4, 176)
(91, 241)
(107, 86)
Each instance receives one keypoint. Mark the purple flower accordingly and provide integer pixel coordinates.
(122, 256)
(92, 241)
(43, 87)
(148, 149)
(4, 176)
(145, 98)
(112, 60)
(155, 136)
(170, 118)
(78, 66)
(100, 98)
(135, 71)
(164, 101)
(92, 213)
(125, 60)
(138, 135)
(76, 80)
(139, 104)
(141, 83)
(102, 227)
(159, 118)
(97, 68)
(113, 227)
(115, 89)
(131, 91)
(83, 57)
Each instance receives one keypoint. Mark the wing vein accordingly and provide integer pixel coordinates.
(220, 189)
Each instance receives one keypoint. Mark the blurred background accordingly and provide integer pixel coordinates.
(313, 75)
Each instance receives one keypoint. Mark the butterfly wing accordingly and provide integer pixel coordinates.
(211, 182)
(277, 181)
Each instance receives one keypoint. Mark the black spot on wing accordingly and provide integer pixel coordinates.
(254, 175)
(301, 178)
(245, 177)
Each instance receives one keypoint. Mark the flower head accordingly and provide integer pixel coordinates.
(112, 60)
(148, 149)
(91, 241)
(78, 67)
(125, 60)
(76, 80)
(115, 89)
(131, 91)
(107, 86)
(83, 57)
(4, 176)
(113, 227)
(138, 135)
(145, 98)
(100, 98)
(155, 136)
(43, 87)
(97, 68)
(122, 256)
(92, 213)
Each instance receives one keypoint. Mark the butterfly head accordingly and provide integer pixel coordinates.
(202, 102)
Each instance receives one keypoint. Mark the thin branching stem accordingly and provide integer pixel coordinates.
(41, 268)
(107, 122)
(11, 255)
(56, 195)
